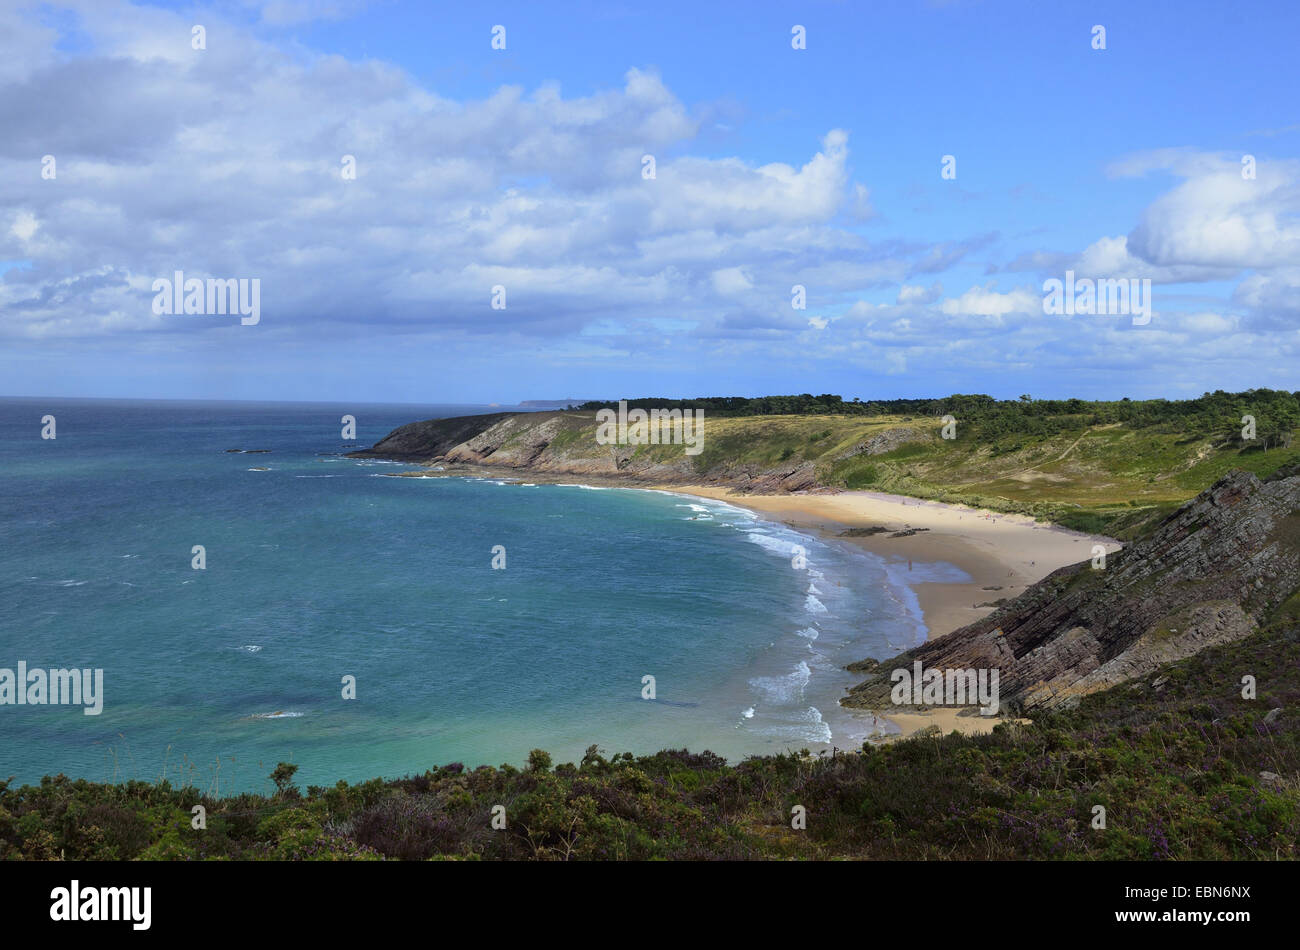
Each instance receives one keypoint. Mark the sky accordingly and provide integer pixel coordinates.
(430, 218)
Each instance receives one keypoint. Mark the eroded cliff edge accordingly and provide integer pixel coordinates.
(564, 443)
(1210, 573)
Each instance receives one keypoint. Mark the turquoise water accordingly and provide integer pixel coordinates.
(322, 567)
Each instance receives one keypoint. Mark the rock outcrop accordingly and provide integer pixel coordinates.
(564, 443)
(886, 441)
(429, 440)
(1207, 574)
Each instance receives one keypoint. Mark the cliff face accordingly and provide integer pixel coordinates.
(1207, 574)
(560, 443)
(564, 443)
(430, 439)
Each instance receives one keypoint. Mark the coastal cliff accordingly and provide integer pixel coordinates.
(1206, 572)
(1210, 573)
(428, 440)
(775, 456)
(1113, 468)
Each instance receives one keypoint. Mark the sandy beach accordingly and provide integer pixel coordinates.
(1001, 553)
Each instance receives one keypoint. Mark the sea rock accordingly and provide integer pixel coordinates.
(864, 666)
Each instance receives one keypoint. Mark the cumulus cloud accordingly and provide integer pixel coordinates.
(24, 226)
(1220, 219)
(1219, 223)
(915, 294)
(229, 162)
(987, 302)
(731, 280)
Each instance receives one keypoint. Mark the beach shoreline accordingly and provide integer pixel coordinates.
(1002, 554)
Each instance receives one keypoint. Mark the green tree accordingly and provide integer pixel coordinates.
(283, 779)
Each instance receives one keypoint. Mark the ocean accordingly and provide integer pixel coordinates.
(318, 568)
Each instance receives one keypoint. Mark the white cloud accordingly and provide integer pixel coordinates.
(24, 226)
(1216, 218)
(915, 294)
(1207, 323)
(236, 172)
(987, 302)
(226, 163)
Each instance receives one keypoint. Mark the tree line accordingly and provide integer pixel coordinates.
(1217, 414)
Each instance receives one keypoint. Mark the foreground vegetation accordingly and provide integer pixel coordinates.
(1184, 767)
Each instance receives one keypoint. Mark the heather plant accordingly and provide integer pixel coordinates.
(1185, 767)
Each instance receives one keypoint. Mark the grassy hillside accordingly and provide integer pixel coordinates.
(1091, 465)
(1091, 477)
(1094, 466)
(1183, 765)
(1100, 466)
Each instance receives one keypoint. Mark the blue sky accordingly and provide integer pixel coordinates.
(521, 168)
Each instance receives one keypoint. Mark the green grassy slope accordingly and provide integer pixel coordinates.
(1103, 466)
(1093, 477)
(1112, 477)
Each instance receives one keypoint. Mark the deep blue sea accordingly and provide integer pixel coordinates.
(320, 567)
